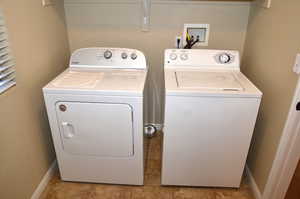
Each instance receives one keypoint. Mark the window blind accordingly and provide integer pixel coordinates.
(7, 70)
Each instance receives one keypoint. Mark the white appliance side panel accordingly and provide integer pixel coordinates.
(99, 129)
(114, 170)
(206, 140)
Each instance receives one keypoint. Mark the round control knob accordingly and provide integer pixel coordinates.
(124, 55)
(107, 54)
(224, 58)
(184, 56)
(133, 56)
(173, 56)
(62, 107)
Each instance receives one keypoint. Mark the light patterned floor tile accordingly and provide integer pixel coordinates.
(152, 189)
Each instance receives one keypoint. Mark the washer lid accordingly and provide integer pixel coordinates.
(207, 80)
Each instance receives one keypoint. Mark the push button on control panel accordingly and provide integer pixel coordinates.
(124, 55)
(173, 56)
(184, 56)
(107, 54)
(133, 56)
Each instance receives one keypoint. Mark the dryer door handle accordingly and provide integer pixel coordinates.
(68, 130)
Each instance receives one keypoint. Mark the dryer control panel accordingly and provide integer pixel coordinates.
(122, 58)
(202, 58)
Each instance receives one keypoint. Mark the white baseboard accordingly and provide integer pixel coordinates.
(47, 177)
(254, 188)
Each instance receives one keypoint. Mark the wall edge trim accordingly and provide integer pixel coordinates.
(254, 188)
(287, 155)
(45, 180)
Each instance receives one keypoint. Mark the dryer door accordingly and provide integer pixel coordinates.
(96, 129)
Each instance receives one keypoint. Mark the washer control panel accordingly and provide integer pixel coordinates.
(108, 58)
(202, 58)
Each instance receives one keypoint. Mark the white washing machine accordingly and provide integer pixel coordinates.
(210, 113)
(95, 110)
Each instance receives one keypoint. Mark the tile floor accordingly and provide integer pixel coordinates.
(58, 189)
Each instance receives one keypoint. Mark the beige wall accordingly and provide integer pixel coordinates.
(271, 46)
(39, 43)
(106, 23)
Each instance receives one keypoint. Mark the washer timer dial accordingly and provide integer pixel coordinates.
(224, 58)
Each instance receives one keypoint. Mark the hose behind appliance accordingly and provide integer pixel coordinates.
(150, 128)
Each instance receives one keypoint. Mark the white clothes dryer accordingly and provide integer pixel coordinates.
(95, 110)
(210, 113)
